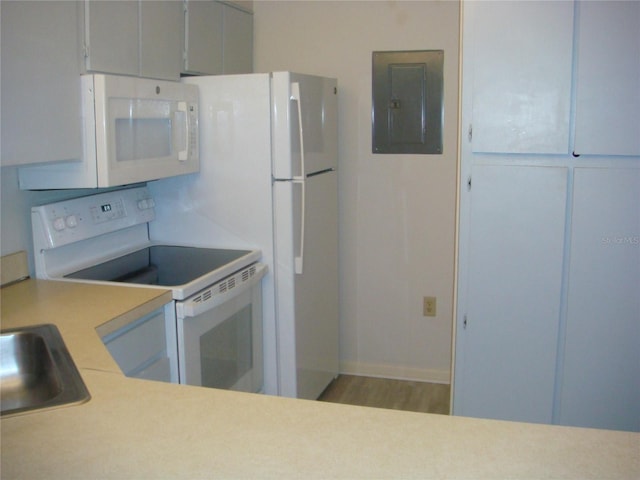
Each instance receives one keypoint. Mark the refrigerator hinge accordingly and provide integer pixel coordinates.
(469, 183)
(470, 132)
(464, 322)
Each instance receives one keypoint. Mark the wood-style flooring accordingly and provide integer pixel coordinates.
(388, 393)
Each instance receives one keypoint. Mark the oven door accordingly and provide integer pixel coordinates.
(220, 333)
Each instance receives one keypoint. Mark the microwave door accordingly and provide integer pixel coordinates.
(146, 139)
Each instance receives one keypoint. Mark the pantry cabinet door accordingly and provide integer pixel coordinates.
(522, 60)
(608, 78)
(508, 336)
(601, 373)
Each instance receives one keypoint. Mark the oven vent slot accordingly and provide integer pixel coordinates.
(221, 291)
(227, 284)
(248, 273)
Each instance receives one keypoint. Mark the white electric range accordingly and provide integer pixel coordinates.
(215, 319)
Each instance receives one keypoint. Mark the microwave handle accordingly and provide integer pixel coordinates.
(183, 155)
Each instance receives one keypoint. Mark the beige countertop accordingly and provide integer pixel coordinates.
(141, 429)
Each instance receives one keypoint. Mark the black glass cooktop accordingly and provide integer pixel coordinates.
(163, 265)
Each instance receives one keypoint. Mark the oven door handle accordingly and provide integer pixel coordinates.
(221, 292)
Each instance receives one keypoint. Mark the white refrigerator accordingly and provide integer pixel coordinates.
(268, 180)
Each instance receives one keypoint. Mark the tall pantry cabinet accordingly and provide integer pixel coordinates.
(548, 313)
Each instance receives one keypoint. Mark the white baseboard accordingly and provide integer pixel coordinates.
(395, 372)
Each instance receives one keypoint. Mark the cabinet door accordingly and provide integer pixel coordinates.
(237, 51)
(111, 36)
(601, 374)
(506, 347)
(40, 82)
(161, 33)
(608, 79)
(203, 38)
(521, 76)
(146, 348)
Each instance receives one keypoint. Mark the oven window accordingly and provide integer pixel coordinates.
(226, 351)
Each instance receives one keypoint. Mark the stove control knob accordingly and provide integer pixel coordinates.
(59, 224)
(71, 221)
(146, 203)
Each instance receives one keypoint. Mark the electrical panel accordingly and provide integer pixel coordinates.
(408, 105)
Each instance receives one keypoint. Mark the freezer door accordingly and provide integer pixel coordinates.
(307, 302)
(302, 148)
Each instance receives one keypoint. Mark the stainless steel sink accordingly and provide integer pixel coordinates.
(36, 371)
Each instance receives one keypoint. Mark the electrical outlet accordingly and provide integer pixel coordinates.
(429, 306)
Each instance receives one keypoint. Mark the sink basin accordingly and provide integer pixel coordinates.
(36, 371)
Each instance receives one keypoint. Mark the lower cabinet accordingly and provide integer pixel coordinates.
(146, 348)
(548, 325)
(600, 384)
(507, 337)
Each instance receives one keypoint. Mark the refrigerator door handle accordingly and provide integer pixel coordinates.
(299, 259)
(295, 95)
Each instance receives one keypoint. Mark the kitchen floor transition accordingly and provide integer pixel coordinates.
(388, 393)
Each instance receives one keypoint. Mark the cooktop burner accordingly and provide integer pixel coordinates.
(161, 265)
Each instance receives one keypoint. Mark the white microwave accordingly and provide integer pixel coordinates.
(134, 130)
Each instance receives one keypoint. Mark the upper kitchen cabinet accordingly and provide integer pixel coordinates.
(40, 82)
(521, 76)
(139, 38)
(111, 37)
(203, 38)
(608, 79)
(237, 47)
(161, 32)
(218, 38)
(525, 78)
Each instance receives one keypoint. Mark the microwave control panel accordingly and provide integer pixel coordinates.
(76, 219)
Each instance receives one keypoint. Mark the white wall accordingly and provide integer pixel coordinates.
(397, 212)
(15, 212)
